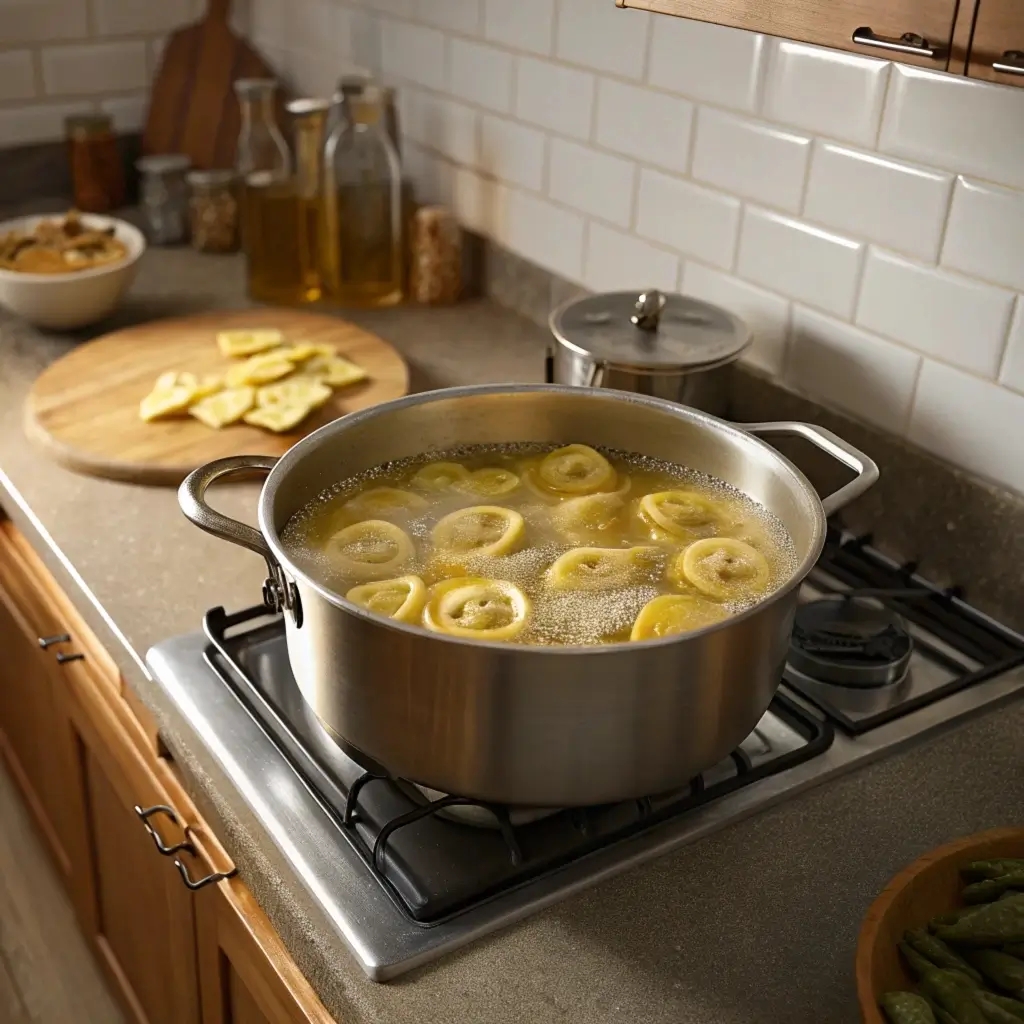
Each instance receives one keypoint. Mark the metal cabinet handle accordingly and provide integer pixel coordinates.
(49, 641)
(199, 883)
(62, 658)
(145, 813)
(1011, 63)
(909, 42)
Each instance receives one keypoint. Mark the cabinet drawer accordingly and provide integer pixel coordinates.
(997, 46)
(44, 611)
(883, 27)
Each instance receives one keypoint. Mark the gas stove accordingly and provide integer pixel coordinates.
(879, 658)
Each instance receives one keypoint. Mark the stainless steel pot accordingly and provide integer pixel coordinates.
(514, 724)
(655, 343)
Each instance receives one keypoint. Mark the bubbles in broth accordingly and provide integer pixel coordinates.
(542, 544)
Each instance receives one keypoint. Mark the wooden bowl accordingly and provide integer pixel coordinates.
(928, 887)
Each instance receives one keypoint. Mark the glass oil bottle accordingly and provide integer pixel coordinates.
(263, 162)
(362, 246)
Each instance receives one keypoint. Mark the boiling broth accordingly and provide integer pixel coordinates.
(552, 546)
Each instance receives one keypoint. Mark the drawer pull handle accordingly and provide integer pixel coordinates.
(1011, 63)
(199, 883)
(62, 658)
(49, 641)
(145, 813)
(909, 42)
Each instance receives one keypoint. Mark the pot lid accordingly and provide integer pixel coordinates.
(650, 330)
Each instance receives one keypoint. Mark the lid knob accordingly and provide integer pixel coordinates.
(648, 310)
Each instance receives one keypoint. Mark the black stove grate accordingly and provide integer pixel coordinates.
(939, 614)
(432, 867)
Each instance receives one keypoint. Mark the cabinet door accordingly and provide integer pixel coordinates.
(910, 31)
(246, 976)
(997, 45)
(135, 908)
(34, 728)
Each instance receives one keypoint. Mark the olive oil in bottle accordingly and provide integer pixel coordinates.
(362, 247)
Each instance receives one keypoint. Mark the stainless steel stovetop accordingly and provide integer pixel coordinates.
(404, 874)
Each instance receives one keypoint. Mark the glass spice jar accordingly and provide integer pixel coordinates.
(213, 210)
(97, 173)
(164, 197)
(435, 257)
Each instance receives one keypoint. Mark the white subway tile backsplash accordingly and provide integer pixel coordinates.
(17, 75)
(454, 15)
(766, 315)
(479, 202)
(555, 97)
(481, 74)
(547, 234)
(131, 17)
(128, 112)
(843, 366)
(434, 176)
(707, 62)
(968, 126)
(798, 260)
(413, 53)
(692, 220)
(593, 182)
(825, 91)
(750, 158)
(971, 422)
(40, 122)
(441, 124)
(617, 261)
(524, 24)
(1012, 373)
(36, 21)
(513, 152)
(602, 36)
(94, 67)
(644, 124)
(944, 315)
(985, 234)
(895, 204)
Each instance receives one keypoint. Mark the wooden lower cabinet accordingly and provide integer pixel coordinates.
(83, 762)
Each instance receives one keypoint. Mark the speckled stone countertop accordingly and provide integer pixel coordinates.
(756, 923)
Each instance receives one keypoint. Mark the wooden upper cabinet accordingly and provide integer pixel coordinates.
(997, 46)
(910, 31)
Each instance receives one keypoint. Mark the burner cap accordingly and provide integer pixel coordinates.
(850, 642)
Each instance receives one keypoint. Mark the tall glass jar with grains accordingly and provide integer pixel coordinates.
(363, 207)
(264, 166)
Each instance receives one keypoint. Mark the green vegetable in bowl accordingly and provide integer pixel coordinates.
(907, 1008)
(935, 950)
(947, 990)
(1003, 970)
(991, 925)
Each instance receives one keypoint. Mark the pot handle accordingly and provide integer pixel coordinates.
(853, 458)
(278, 593)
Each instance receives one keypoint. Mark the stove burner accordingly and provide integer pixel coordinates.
(850, 642)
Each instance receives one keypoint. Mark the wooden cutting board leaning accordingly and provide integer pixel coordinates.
(83, 410)
(192, 106)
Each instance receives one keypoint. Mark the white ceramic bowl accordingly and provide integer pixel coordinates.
(66, 301)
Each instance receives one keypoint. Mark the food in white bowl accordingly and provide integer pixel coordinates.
(67, 272)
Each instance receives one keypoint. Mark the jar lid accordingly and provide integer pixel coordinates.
(163, 163)
(650, 330)
(210, 179)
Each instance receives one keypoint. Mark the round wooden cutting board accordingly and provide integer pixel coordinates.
(83, 410)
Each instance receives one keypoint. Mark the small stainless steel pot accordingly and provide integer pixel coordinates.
(511, 723)
(667, 346)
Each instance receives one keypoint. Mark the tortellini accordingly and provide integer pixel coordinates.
(480, 608)
(568, 546)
